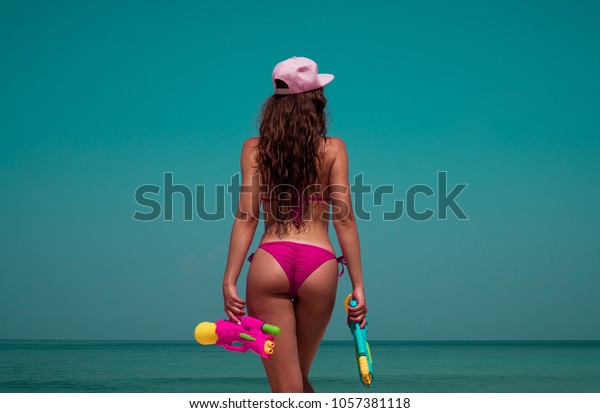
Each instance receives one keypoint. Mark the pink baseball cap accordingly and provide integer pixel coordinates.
(300, 74)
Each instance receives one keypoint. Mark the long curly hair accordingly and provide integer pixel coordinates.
(292, 129)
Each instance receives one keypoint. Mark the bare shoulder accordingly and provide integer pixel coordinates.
(336, 143)
(250, 147)
(250, 144)
(336, 146)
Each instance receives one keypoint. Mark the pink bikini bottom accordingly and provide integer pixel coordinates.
(298, 260)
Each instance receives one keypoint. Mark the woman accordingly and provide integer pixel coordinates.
(298, 173)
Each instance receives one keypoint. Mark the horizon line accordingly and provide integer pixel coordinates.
(324, 341)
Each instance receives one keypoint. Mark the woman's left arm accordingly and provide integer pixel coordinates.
(244, 227)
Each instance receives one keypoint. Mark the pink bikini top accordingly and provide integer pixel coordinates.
(297, 210)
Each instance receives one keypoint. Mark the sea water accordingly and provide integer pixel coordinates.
(399, 367)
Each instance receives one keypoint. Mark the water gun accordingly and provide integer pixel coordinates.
(361, 346)
(249, 334)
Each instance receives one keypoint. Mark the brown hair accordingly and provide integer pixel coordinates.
(292, 128)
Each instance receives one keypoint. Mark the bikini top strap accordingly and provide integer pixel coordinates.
(341, 260)
(297, 210)
(318, 198)
(312, 198)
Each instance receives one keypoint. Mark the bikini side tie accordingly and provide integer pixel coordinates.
(341, 260)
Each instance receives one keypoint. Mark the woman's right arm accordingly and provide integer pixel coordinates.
(346, 230)
(244, 227)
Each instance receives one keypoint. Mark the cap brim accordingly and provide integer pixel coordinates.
(324, 78)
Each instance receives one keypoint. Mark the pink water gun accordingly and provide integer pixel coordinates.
(250, 334)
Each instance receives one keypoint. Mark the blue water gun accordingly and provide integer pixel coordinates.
(361, 346)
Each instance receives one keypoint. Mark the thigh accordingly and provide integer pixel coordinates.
(267, 299)
(313, 307)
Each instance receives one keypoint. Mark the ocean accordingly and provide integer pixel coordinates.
(399, 367)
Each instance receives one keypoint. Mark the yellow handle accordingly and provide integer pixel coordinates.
(347, 302)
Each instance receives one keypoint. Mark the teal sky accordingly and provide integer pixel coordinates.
(99, 98)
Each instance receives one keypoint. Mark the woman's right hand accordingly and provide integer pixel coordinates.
(358, 313)
(234, 305)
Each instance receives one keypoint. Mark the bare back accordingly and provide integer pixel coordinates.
(317, 219)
